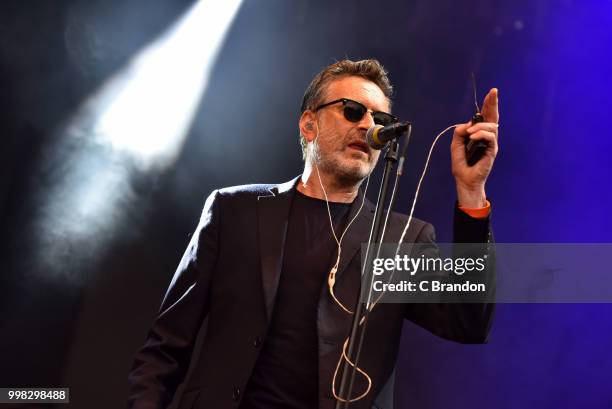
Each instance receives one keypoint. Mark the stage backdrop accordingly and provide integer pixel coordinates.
(119, 118)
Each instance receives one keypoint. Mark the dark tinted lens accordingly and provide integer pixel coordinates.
(384, 119)
(353, 111)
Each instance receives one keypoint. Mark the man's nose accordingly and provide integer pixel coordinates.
(367, 121)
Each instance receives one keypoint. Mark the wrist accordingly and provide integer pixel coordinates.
(474, 198)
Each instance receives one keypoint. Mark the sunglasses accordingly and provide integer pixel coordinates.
(354, 111)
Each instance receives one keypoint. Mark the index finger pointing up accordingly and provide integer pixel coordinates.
(490, 109)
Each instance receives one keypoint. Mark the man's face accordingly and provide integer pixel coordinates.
(341, 149)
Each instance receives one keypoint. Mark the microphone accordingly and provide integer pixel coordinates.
(378, 135)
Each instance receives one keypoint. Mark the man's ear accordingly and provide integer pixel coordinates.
(308, 126)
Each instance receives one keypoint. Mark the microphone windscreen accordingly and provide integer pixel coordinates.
(372, 137)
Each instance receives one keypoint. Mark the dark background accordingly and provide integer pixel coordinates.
(79, 290)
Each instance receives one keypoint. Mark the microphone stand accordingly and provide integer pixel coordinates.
(346, 382)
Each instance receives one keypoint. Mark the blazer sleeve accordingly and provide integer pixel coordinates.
(161, 364)
(468, 323)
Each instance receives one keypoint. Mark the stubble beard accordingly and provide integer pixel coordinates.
(345, 174)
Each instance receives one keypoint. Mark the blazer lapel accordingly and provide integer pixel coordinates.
(273, 218)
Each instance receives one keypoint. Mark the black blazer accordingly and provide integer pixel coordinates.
(225, 286)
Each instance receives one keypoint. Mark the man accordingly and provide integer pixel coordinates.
(254, 277)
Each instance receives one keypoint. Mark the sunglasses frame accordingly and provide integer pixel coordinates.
(344, 101)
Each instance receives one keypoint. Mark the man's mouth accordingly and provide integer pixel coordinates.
(360, 146)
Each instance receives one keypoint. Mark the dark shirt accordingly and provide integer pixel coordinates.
(287, 370)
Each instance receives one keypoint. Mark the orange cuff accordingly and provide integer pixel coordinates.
(478, 213)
